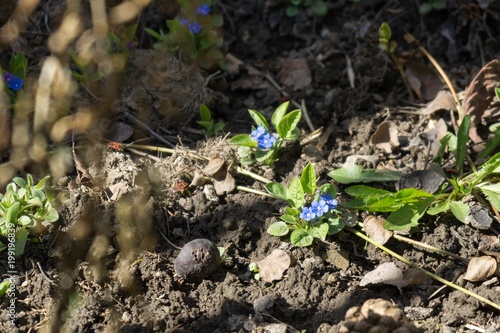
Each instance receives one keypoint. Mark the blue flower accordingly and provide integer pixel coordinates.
(307, 214)
(264, 140)
(203, 10)
(319, 207)
(184, 21)
(330, 202)
(194, 27)
(13, 81)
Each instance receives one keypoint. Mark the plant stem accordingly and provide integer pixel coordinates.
(402, 73)
(252, 175)
(429, 247)
(254, 191)
(426, 272)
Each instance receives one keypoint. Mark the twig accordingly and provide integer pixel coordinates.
(168, 241)
(306, 115)
(426, 272)
(52, 282)
(254, 191)
(146, 127)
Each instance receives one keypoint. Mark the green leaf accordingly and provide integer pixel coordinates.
(205, 113)
(205, 124)
(153, 33)
(385, 31)
(491, 144)
(462, 138)
(292, 211)
(288, 123)
(4, 286)
(319, 231)
(295, 194)
(460, 210)
(328, 189)
(20, 243)
(407, 216)
(243, 140)
(439, 208)
(365, 191)
(13, 213)
(20, 182)
(301, 238)
(277, 189)
(448, 140)
(335, 225)
(259, 119)
(492, 193)
(308, 179)
(218, 127)
(51, 216)
(356, 174)
(279, 113)
(278, 229)
(319, 8)
(292, 11)
(290, 219)
(266, 156)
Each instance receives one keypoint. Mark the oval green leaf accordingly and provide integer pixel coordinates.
(278, 229)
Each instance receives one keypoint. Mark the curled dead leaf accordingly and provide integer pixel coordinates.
(214, 166)
(480, 268)
(386, 136)
(224, 184)
(479, 100)
(444, 101)
(374, 228)
(273, 266)
(386, 273)
(423, 80)
(198, 179)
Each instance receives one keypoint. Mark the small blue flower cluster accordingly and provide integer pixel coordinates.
(13, 81)
(318, 208)
(264, 140)
(195, 27)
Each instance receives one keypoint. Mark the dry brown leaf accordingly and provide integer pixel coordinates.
(480, 268)
(423, 80)
(224, 185)
(386, 136)
(273, 266)
(295, 73)
(479, 100)
(214, 166)
(374, 228)
(413, 276)
(117, 190)
(443, 101)
(198, 179)
(386, 273)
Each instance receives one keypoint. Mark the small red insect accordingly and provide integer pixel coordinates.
(116, 146)
(180, 187)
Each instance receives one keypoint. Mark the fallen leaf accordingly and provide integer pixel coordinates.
(413, 276)
(437, 130)
(295, 73)
(227, 184)
(480, 268)
(423, 80)
(386, 273)
(273, 266)
(214, 166)
(479, 100)
(374, 228)
(117, 190)
(198, 179)
(443, 101)
(386, 136)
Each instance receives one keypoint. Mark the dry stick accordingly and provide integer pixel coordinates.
(146, 127)
(193, 154)
(426, 272)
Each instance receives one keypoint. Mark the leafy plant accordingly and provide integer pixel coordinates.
(311, 213)
(4, 286)
(318, 7)
(23, 207)
(87, 71)
(196, 34)
(431, 5)
(263, 146)
(15, 76)
(210, 128)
